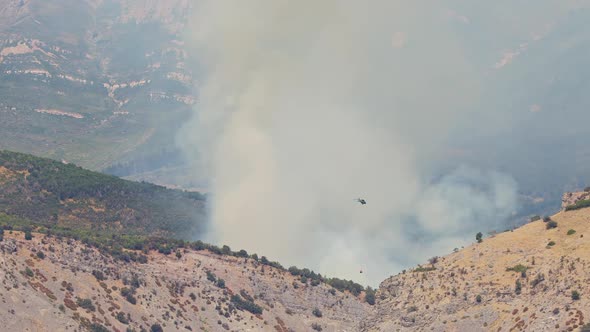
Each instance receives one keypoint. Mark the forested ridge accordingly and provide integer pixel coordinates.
(51, 193)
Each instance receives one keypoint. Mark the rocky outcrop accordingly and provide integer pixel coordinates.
(571, 198)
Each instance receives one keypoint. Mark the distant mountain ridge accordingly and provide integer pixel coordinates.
(93, 81)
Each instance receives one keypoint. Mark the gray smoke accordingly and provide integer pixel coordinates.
(306, 105)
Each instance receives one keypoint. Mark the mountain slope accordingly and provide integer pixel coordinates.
(45, 192)
(92, 81)
(533, 278)
(131, 237)
(521, 280)
(52, 284)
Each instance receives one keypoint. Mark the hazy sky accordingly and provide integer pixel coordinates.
(306, 105)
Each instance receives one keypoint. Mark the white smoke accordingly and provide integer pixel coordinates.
(306, 105)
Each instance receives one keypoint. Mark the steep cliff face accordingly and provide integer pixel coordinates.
(63, 285)
(521, 280)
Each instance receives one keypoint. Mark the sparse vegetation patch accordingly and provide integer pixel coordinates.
(578, 205)
(424, 269)
(517, 268)
(242, 304)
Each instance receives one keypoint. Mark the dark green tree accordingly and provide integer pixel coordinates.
(575, 295)
(156, 328)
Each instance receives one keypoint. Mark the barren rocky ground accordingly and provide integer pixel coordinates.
(60, 292)
(521, 280)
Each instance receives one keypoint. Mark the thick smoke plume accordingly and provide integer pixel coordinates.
(307, 105)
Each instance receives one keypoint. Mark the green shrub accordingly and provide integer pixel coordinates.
(342, 285)
(538, 279)
(131, 299)
(226, 250)
(551, 244)
(242, 304)
(156, 328)
(424, 269)
(317, 312)
(478, 237)
(571, 232)
(551, 224)
(98, 275)
(122, 318)
(578, 205)
(517, 268)
(40, 254)
(211, 276)
(546, 219)
(164, 250)
(28, 235)
(86, 304)
(518, 287)
(245, 295)
(478, 298)
(128, 295)
(316, 327)
(575, 295)
(29, 272)
(535, 218)
(370, 296)
(215, 249)
(95, 327)
(135, 282)
(220, 283)
(294, 271)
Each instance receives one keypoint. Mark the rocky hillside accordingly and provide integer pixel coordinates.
(80, 250)
(534, 278)
(127, 271)
(52, 284)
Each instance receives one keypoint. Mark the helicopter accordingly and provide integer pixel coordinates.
(361, 200)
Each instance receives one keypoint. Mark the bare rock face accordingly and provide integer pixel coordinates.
(571, 198)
